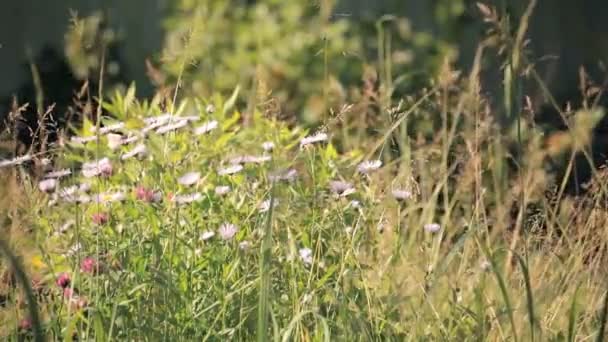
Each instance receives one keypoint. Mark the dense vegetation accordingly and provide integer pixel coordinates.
(418, 211)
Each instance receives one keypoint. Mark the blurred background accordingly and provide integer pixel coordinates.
(289, 49)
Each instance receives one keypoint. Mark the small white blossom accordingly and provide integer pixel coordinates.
(341, 189)
(48, 185)
(58, 174)
(15, 161)
(110, 128)
(227, 231)
(114, 141)
(244, 245)
(401, 195)
(172, 126)
(432, 227)
(485, 265)
(230, 170)
(268, 146)
(206, 128)
(316, 138)
(83, 140)
(188, 198)
(306, 255)
(222, 190)
(210, 109)
(207, 235)
(138, 151)
(101, 167)
(369, 166)
(189, 178)
(250, 160)
(288, 175)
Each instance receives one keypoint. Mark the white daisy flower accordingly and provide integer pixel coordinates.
(341, 189)
(316, 138)
(207, 235)
(432, 227)
(206, 128)
(222, 190)
(230, 170)
(189, 178)
(172, 127)
(110, 128)
(288, 175)
(101, 167)
(48, 185)
(188, 198)
(227, 231)
(83, 140)
(58, 174)
(306, 256)
(250, 160)
(268, 146)
(138, 151)
(114, 141)
(401, 195)
(15, 161)
(244, 245)
(369, 166)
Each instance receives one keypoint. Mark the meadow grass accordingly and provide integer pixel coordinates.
(433, 222)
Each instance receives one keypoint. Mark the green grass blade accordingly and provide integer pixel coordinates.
(32, 305)
(572, 316)
(529, 297)
(263, 304)
(603, 318)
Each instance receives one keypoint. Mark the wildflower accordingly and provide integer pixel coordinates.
(15, 161)
(110, 128)
(341, 189)
(101, 167)
(210, 109)
(83, 140)
(66, 226)
(230, 170)
(172, 126)
(63, 280)
(146, 195)
(268, 146)
(265, 206)
(250, 160)
(114, 141)
(207, 235)
(25, 324)
(58, 174)
(369, 166)
(355, 204)
(89, 265)
(288, 175)
(222, 190)
(206, 128)
(47, 185)
(432, 227)
(227, 231)
(100, 218)
(485, 265)
(306, 255)
(84, 187)
(73, 250)
(68, 293)
(244, 245)
(401, 195)
(189, 178)
(318, 137)
(188, 198)
(138, 151)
